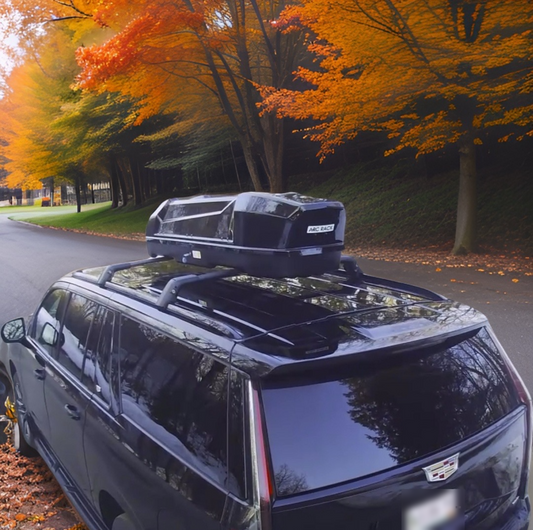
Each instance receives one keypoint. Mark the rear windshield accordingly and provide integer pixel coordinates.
(376, 416)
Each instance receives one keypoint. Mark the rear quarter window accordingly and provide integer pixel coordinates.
(331, 429)
(178, 394)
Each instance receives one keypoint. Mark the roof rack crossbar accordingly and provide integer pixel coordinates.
(110, 270)
(172, 288)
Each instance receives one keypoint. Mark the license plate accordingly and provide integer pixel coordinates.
(433, 512)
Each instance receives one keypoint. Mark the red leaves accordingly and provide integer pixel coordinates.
(146, 39)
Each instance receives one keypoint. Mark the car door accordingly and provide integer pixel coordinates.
(31, 362)
(174, 416)
(65, 395)
(155, 461)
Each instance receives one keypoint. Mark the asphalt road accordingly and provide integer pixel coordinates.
(31, 258)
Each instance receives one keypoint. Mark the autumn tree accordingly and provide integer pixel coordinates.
(429, 73)
(32, 101)
(39, 143)
(187, 56)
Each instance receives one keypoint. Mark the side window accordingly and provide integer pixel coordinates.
(237, 454)
(77, 323)
(97, 364)
(179, 389)
(48, 320)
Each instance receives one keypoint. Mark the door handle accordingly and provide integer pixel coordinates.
(39, 373)
(72, 411)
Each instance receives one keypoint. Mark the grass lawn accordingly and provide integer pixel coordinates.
(10, 210)
(23, 213)
(97, 218)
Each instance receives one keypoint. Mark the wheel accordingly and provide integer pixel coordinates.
(122, 523)
(21, 436)
(4, 387)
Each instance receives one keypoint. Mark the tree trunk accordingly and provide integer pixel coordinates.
(77, 185)
(465, 233)
(121, 181)
(136, 180)
(236, 168)
(52, 191)
(83, 186)
(251, 164)
(273, 153)
(158, 182)
(114, 185)
(92, 193)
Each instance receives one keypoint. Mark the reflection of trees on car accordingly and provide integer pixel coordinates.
(442, 396)
(288, 482)
(179, 390)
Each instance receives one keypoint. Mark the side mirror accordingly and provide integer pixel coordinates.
(14, 331)
(49, 335)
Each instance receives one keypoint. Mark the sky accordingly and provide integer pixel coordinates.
(7, 43)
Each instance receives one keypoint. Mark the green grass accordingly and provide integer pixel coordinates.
(10, 210)
(101, 220)
(394, 206)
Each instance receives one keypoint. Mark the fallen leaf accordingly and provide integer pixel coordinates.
(438, 269)
(515, 280)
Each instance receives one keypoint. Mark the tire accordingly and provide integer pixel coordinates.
(21, 437)
(122, 523)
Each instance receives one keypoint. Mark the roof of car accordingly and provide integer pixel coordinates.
(276, 323)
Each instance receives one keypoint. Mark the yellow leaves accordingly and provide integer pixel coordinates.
(515, 280)
(478, 141)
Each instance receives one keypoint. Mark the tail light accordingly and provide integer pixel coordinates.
(263, 487)
(525, 398)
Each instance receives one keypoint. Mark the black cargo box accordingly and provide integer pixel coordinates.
(262, 234)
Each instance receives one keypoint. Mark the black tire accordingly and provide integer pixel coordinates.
(21, 437)
(122, 523)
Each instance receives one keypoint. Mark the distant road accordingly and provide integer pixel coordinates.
(31, 258)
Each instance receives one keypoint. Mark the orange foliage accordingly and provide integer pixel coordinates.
(193, 58)
(428, 73)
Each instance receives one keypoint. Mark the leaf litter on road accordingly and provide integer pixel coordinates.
(30, 497)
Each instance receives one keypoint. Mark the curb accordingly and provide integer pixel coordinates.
(139, 239)
(25, 223)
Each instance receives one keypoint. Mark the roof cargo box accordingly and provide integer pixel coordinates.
(262, 234)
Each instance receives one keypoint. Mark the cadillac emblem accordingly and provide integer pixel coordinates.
(442, 470)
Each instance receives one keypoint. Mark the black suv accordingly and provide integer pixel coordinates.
(165, 397)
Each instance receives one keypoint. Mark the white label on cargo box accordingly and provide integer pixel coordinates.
(196, 254)
(320, 229)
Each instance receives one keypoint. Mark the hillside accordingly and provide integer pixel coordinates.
(395, 207)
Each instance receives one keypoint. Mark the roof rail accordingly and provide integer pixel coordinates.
(108, 273)
(172, 288)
